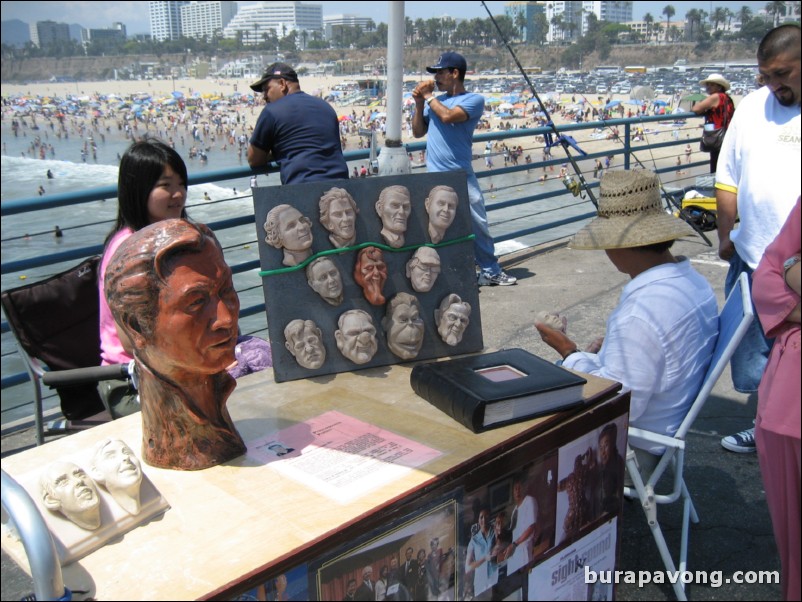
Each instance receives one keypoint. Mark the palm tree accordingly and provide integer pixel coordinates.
(717, 17)
(776, 9)
(520, 25)
(669, 12)
(648, 19)
(693, 18)
(744, 15)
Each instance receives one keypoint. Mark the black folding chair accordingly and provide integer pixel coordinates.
(56, 326)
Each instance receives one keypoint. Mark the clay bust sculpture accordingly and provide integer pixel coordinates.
(66, 488)
(304, 341)
(423, 269)
(370, 272)
(441, 205)
(171, 293)
(324, 278)
(356, 337)
(338, 215)
(403, 326)
(286, 228)
(115, 467)
(394, 208)
(452, 318)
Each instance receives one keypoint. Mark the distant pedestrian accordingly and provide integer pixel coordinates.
(41, 190)
(688, 152)
(49, 175)
(57, 232)
(254, 182)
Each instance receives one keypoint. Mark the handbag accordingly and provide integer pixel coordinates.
(711, 141)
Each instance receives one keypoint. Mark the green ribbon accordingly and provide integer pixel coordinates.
(310, 259)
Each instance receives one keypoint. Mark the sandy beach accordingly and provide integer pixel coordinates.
(591, 142)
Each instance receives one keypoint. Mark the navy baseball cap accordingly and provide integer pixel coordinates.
(276, 70)
(449, 60)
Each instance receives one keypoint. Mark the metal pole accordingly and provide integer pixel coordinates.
(393, 158)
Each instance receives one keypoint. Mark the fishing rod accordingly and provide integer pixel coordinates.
(565, 144)
(669, 198)
(563, 141)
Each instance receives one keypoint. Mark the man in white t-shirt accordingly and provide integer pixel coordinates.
(758, 181)
(523, 521)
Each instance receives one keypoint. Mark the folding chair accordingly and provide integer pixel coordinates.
(56, 324)
(734, 319)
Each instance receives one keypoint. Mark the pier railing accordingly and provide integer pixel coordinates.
(527, 203)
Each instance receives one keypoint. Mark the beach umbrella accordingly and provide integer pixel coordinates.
(345, 118)
(178, 94)
(612, 103)
(659, 103)
(505, 106)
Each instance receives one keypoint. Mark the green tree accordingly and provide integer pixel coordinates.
(649, 20)
(744, 15)
(776, 9)
(669, 12)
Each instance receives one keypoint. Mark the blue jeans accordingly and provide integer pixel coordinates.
(483, 243)
(750, 358)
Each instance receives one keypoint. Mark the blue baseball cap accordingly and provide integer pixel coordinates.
(449, 60)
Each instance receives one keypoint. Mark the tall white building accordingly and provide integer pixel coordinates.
(203, 19)
(568, 20)
(330, 21)
(282, 17)
(165, 20)
(45, 33)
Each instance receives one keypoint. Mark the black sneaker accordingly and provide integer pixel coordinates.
(500, 279)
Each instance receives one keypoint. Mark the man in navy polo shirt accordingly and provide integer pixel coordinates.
(298, 131)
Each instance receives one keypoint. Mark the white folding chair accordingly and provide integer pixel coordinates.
(734, 319)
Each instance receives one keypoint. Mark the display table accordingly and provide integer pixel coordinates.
(231, 527)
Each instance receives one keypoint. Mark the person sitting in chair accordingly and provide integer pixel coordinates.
(660, 338)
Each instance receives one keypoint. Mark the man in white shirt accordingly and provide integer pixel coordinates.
(758, 182)
(660, 338)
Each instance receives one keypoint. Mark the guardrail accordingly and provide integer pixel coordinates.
(522, 206)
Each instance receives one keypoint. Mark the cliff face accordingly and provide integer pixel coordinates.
(415, 59)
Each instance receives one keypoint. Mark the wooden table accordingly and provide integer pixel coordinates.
(231, 526)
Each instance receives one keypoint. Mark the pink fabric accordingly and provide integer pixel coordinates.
(777, 426)
(780, 391)
(111, 350)
(780, 467)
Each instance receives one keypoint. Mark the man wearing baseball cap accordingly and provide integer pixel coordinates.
(298, 131)
(449, 121)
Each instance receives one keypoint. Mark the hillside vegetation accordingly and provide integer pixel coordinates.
(415, 59)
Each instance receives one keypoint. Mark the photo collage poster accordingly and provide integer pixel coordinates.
(414, 559)
(517, 507)
(399, 289)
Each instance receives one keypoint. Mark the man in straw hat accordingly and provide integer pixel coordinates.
(298, 131)
(660, 337)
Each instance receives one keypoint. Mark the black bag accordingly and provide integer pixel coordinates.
(711, 141)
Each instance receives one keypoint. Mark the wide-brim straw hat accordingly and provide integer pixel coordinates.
(630, 214)
(716, 78)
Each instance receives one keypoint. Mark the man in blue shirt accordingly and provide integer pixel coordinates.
(298, 131)
(449, 120)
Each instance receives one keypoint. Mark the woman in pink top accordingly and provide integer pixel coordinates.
(776, 293)
(152, 186)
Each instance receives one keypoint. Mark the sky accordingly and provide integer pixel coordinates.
(134, 15)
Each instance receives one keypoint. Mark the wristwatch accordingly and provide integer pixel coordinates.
(429, 100)
(789, 263)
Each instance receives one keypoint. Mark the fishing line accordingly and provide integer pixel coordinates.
(563, 142)
(669, 199)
